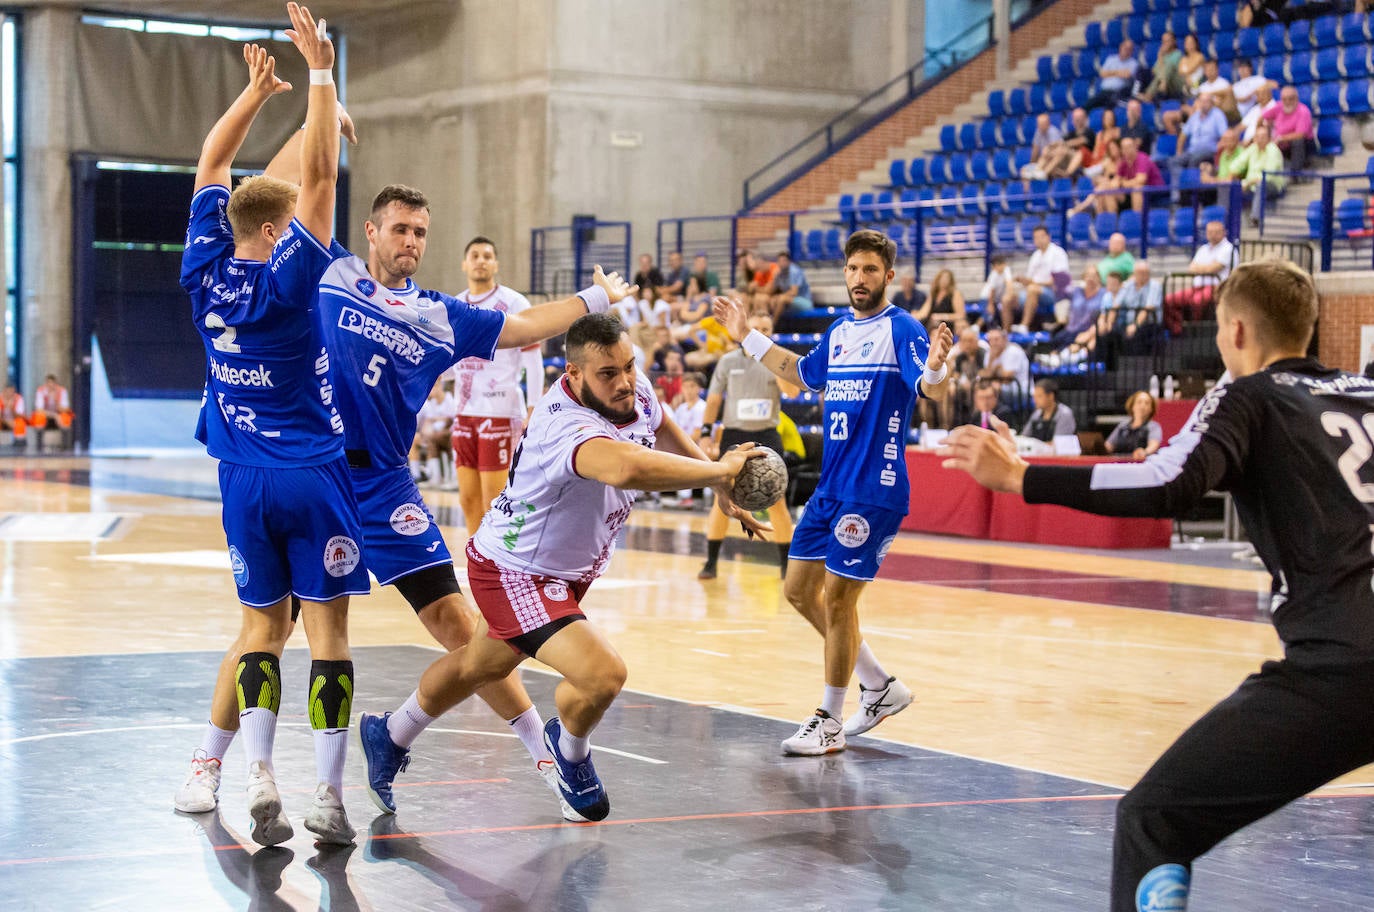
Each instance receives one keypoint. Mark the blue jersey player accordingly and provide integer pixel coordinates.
(252, 264)
(872, 363)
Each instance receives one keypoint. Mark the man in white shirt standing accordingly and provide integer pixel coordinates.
(1210, 266)
(1034, 292)
(491, 404)
(1000, 278)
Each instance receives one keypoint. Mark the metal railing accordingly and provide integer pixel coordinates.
(1340, 222)
(875, 107)
(562, 256)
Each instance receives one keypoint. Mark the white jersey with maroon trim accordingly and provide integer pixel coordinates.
(491, 389)
(550, 521)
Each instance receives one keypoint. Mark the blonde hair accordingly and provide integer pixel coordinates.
(259, 199)
(1278, 295)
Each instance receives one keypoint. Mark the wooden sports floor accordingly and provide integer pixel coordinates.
(1046, 682)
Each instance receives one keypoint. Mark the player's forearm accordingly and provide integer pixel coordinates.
(320, 147)
(655, 470)
(540, 322)
(781, 361)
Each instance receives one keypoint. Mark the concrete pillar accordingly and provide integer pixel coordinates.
(1001, 34)
(4, 283)
(46, 295)
(908, 31)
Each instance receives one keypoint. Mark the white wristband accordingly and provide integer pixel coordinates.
(596, 299)
(756, 344)
(933, 378)
(321, 77)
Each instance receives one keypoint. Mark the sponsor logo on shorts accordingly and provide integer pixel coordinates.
(1163, 889)
(366, 287)
(341, 556)
(852, 561)
(434, 546)
(883, 548)
(556, 591)
(239, 566)
(409, 519)
(851, 530)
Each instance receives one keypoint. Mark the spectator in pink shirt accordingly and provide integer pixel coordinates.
(1292, 127)
(1137, 171)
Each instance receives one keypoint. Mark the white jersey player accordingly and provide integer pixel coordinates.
(491, 404)
(595, 440)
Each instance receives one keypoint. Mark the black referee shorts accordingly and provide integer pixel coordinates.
(733, 437)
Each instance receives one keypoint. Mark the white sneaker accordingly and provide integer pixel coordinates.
(326, 817)
(877, 705)
(270, 826)
(820, 734)
(201, 789)
(548, 768)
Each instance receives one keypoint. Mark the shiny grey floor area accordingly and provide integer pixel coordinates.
(706, 814)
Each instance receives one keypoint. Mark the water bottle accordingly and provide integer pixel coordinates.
(1169, 386)
(1154, 385)
(925, 430)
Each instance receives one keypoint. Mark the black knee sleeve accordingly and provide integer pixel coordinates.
(331, 694)
(258, 681)
(425, 587)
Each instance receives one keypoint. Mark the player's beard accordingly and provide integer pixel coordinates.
(403, 267)
(590, 400)
(877, 297)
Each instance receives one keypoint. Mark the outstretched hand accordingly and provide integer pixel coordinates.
(262, 72)
(940, 346)
(346, 128)
(310, 37)
(986, 456)
(733, 461)
(731, 314)
(615, 287)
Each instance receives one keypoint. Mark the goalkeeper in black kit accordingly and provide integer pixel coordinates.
(1292, 441)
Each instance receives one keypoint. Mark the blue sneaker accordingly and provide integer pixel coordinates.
(384, 759)
(578, 783)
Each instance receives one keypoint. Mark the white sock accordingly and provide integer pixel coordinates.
(572, 747)
(833, 701)
(871, 675)
(216, 741)
(529, 728)
(331, 746)
(406, 723)
(259, 727)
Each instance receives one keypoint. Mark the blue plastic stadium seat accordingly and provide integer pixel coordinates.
(1017, 103)
(1305, 94)
(978, 166)
(1080, 230)
(906, 206)
(1092, 35)
(1066, 67)
(1166, 145)
(1224, 46)
(883, 203)
(1273, 68)
(1300, 35)
(1135, 30)
(916, 172)
(1156, 24)
(1369, 171)
(1248, 42)
(1327, 101)
(997, 103)
(1095, 119)
(1087, 64)
(1038, 99)
(1015, 197)
(1299, 69)
(1140, 7)
(1115, 31)
(1189, 179)
(1128, 223)
(896, 172)
(958, 167)
(1274, 39)
(1350, 215)
(1325, 31)
(796, 245)
(970, 200)
(815, 244)
(1355, 61)
(847, 208)
(987, 135)
(1224, 15)
(968, 137)
(1021, 157)
(1326, 63)
(1354, 29)
(1001, 165)
(1104, 226)
(1037, 191)
(1079, 92)
(1044, 69)
(1082, 187)
(1185, 230)
(1059, 96)
(994, 199)
(1180, 23)
(1315, 222)
(1061, 188)
(935, 170)
(1329, 136)
(1009, 131)
(949, 202)
(1028, 127)
(1005, 233)
(866, 209)
(833, 249)
(1357, 96)
(897, 232)
(1158, 227)
(1212, 214)
(949, 138)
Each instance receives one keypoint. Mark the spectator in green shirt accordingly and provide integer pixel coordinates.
(1264, 156)
(1118, 260)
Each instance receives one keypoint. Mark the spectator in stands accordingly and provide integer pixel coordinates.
(1115, 77)
(649, 275)
(1046, 148)
(1138, 435)
(1190, 66)
(13, 417)
(708, 280)
(945, 304)
(689, 411)
(669, 380)
(1244, 92)
(969, 360)
(674, 278)
(1073, 343)
(1214, 85)
(790, 288)
(433, 438)
(1258, 13)
(1118, 260)
(1262, 157)
(1134, 171)
(999, 279)
(1137, 306)
(1036, 291)
(1137, 128)
(758, 275)
(1109, 133)
(1007, 364)
(1104, 177)
(987, 405)
(1078, 142)
(1228, 165)
(1165, 80)
(907, 296)
(1198, 141)
(1050, 419)
(642, 312)
(1264, 103)
(693, 306)
(1210, 266)
(1291, 122)
(52, 405)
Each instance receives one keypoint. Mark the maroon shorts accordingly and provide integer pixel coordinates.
(515, 603)
(484, 444)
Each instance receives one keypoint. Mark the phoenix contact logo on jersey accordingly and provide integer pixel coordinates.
(409, 519)
(341, 556)
(238, 376)
(395, 340)
(854, 389)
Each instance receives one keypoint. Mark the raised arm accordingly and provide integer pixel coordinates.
(783, 363)
(544, 321)
(320, 145)
(226, 137)
(286, 164)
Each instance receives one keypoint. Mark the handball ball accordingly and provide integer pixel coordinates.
(761, 482)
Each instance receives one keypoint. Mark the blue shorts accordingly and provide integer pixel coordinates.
(399, 533)
(292, 531)
(851, 538)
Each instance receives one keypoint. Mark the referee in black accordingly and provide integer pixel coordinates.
(1292, 441)
(746, 398)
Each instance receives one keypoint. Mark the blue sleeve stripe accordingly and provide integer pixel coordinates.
(323, 248)
(208, 188)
